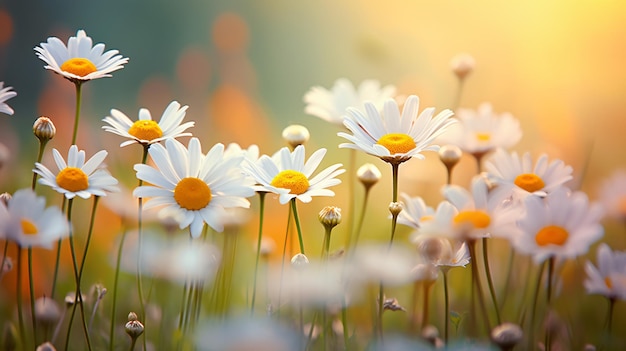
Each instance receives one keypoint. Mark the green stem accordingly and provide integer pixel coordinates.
(32, 293)
(89, 234)
(58, 257)
(344, 324)
(609, 319)
(361, 219)
(425, 315)
(328, 230)
(42, 147)
(78, 297)
(492, 291)
(381, 302)
(446, 302)
(258, 248)
(282, 262)
(115, 284)
(477, 284)
(78, 86)
(19, 298)
(142, 307)
(132, 343)
(507, 282)
(394, 216)
(533, 310)
(548, 341)
(297, 220)
(351, 194)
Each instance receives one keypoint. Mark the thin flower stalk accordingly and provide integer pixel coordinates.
(78, 84)
(297, 221)
(142, 307)
(446, 308)
(31, 286)
(58, 256)
(115, 285)
(258, 248)
(18, 288)
(492, 290)
(477, 284)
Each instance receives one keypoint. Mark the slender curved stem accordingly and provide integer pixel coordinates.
(89, 234)
(18, 288)
(492, 291)
(477, 284)
(42, 147)
(142, 307)
(425, 315)
(58, 256)
(297, 220)
(548, 341)
(446, 327)
(115, 284)
(258, 248)
(32, 293)
(361, 219)
(533, 310)
(78, 86)
(351, 194)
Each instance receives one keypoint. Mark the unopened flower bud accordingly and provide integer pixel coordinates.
(295, 135)
(462, 65)
(430, 333)
(71, 298)
(268, 245)
(589, 347)
(450, 155)
(134, 328)
(44, 129)
(299, 260)
(368, 175)
(47, 311)
(330, 216)
(395, 208)
(5, 198)
(507, 335)
(46, 346)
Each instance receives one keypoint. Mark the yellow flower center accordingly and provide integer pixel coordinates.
(28, 227)
(484, 137)
(79, 66)
(529, 182)
(145, 130)
(608, 282)
(552, 234)
(192, 194)
(426, 218)
(621, 206)
(296, 182)
(475, 218)
(397, 143)
(73, 179)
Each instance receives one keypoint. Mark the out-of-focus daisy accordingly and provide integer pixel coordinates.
(259, 334)
(77, 177)
(26, 221)
(563, 224)
(193, 188)
(482, 130)
(609, 278)
(80, 60)
(251, 154)
(516, 176)
(5, 94)
(377, 263)
(287, 175)
(145, 130)
(479, 213)
(442, 251)
(395, 137)
(330, 105)
(414, 211)
(612, 195)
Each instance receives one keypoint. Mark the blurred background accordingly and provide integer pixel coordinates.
(244, 66)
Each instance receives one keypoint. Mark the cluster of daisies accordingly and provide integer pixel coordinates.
(523, 200)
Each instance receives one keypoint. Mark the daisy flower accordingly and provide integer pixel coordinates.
(482, 130)
(612, 195)
(480, 213)
(77, 177)
(395, 137)
(563, 224)
(330, 105)
(414, 211)
(442, 251)
(609, 278)
(193, 188)
(516, 176)
(287, 175)
(80, 60)
(26, 221)
(146, 131)
(6, 94)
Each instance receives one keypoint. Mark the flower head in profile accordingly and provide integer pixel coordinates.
(191, 187)
(80, 60)
(392, 136)
(330, 105)
(516, 176)
(5, 94)
(609, 278)
(442, 251)
(563, 224)
(26, 221)
(145, 130)
(414, 211)
(482, 130)
(288, 175)
(77, 177)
